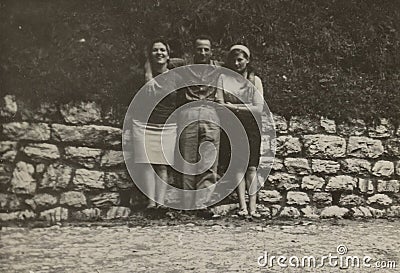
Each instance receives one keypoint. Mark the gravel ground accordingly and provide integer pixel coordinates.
(193, 245)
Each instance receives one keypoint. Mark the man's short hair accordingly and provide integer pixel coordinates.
(202, 37)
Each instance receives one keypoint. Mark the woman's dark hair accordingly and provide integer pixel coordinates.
(159, 40)
(147, 62)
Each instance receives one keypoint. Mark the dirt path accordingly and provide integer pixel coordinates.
(194, 246)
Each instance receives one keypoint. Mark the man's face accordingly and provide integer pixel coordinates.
(202, 54)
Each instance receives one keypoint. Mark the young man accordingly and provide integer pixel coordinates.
(198, 121)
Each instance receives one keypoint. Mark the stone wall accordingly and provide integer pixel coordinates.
(64, 162)
(326, 169)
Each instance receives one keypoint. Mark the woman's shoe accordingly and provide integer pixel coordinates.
(162, 207)
(242, 212)
(255, 214)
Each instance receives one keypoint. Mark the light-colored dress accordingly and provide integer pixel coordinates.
(154, 141)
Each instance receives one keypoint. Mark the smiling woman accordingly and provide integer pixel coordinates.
(149, 153)
(159, 53)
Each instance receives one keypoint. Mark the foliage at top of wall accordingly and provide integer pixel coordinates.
(336, 58)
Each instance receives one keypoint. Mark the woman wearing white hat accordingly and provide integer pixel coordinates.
(246, 101)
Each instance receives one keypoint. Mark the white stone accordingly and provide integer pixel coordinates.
(91, 135)
(8, 151)
(381, 129)
(312, 182)
(324, 166)
(8, 106)
(42, 151)
(26, 131)
(364, 147)
(351, 200)
(361, 212)
(388, 186)
(118, 213)
(334, 212)
(328, 125)
(40, 168)
(87, 179)
(324, 146)
(290, 212)
(87, 157)
(297, 198)
(22, 181)
(380, 200)
(112, 158)
(81, 112)
(297, 165)
(87, 214)
(17, 215)
(268, 163)
(356, 165)
(42, 200)
(57, 176)
(377, 213)
(281, 125)
(365, 185)
(224, 209)
(106, 199)
(9, 202)
(341, 182)
(383, 168)
(310, 212)
(394, 211)
(284, 180)
(287, 145)
(73, 199)
(54, 215)
(269, 196)
(275, 210)
(322, 199)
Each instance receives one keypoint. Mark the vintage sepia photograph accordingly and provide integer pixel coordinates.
(199, 136)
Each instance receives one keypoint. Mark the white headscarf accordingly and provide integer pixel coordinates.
(241, 47)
